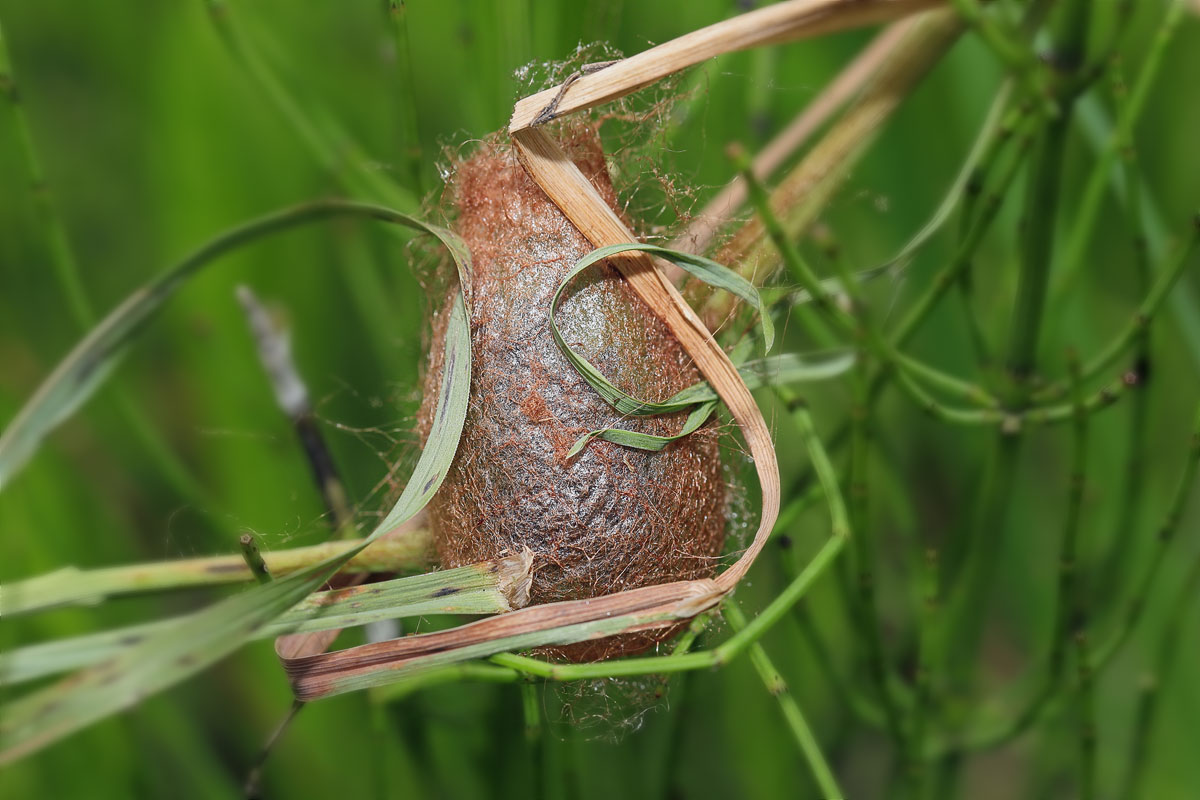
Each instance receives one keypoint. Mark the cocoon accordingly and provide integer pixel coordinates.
(610, 518)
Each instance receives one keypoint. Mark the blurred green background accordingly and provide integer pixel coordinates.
(154, 138)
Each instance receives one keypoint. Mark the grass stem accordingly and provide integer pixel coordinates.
(254, 558)
(797, 724)
(72, 586)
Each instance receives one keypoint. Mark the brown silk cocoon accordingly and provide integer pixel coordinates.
(611, 518)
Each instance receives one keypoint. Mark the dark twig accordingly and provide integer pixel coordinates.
(252, 788)
(275, 352)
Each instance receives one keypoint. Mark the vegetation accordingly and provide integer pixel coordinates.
(983, 578)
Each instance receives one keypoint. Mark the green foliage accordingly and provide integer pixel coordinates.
(1008, 588)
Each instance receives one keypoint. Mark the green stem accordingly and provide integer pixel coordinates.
(1096, 128)
(1124, 532)
(54, 232)
(994, 735)
(1071, 602)
(1087, 719)
(865, 561)
(778, 688)
(1141, 319)
(974, 585)
(1009, 47)
(754, 630)
(490, 587)
(1002, 43)
(1174, 631)
(1166, 534)
(532, 711)
(254, 558)
(1036, 253)
(1083, 229)
(397, 13)
(252, 786)
(72, 586)
(970, 587)
(860, 704)
(918, 768)
(1067, 599)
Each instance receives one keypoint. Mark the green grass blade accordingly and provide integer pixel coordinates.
(645, 441)
(776, 370)
(486, 588)
(703, 268)
(49, 714)
(83, 370)
(1097, 127)
(958, 187)
(72, 586)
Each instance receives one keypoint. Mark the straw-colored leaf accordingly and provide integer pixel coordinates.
(781, 22)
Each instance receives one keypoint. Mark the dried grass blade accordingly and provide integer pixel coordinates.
(325, 674)
(781, 22)
(717, 211)
(804, 192)
(562, 181)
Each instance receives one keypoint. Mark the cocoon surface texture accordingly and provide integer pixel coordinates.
(610, 518)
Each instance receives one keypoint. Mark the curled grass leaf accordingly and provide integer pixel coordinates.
(646, 441)
(86, 367)
(776, 370)
(49, 714)
(703, 268)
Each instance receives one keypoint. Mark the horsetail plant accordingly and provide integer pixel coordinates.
(565, 365)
